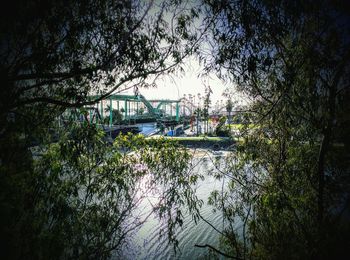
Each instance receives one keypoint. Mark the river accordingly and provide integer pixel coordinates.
(147, 128)
(146, 244)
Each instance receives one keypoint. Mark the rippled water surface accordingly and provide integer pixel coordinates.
(146, 243)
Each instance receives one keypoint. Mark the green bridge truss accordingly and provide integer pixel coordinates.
(130, 106)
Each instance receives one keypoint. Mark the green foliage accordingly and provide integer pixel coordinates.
(117, 117)
(76, 201)
(286, 183)
(68, 50)
(141, 111)
(229, 105)
(84, 194)
(222, 129)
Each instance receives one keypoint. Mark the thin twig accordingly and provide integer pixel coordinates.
(218, 251)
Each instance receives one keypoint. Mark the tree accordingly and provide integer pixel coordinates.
(54, 56)
(206, 105)
(229, 107)
(197, 113)
(59, 53)
(86, 194)
(292, 59)
(141, 111)
(221, 129)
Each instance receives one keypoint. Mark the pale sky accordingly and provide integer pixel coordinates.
(175, 86)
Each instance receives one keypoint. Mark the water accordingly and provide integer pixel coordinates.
(146, 243)
(147, 128)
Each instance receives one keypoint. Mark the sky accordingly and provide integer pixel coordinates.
(176, 85)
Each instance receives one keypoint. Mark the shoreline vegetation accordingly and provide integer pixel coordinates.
(204, 142)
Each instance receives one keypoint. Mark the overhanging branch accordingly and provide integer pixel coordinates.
(218, 251)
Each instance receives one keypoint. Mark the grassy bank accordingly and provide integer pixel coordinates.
(201, 141)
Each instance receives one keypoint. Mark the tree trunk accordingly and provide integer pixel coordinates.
(320, 172)
(325, 145)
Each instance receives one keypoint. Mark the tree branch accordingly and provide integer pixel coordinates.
(218, 251)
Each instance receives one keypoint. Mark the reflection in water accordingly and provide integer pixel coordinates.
(146, 243)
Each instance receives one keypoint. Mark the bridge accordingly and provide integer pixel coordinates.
(123, 112)
(131, 109)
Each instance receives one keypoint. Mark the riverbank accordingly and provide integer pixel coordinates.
(207, 142)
